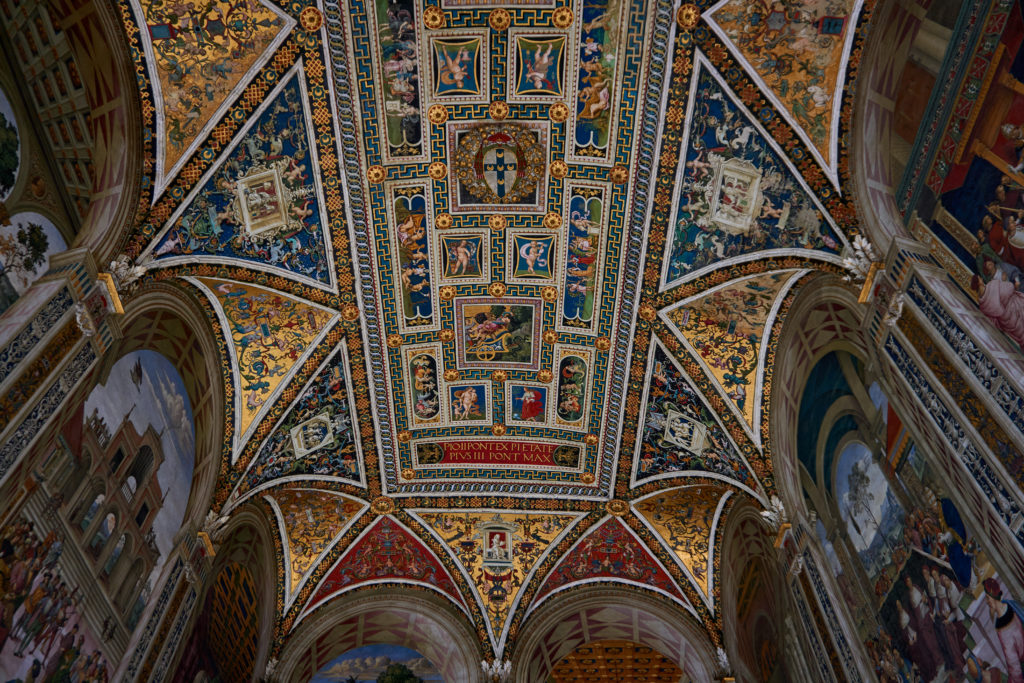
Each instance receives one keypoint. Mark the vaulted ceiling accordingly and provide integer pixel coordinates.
(496, 288)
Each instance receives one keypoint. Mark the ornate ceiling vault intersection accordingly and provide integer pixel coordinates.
(496, 288)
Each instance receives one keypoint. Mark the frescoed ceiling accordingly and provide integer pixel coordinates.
(497, 287)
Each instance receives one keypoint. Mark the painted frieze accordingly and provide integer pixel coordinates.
(724, 329)
(609, 552)
(316, 438)
(261, 205)
(269, 334)
(411, 254)
(386, 552)
(395, 24)
(736, 192)
(201, 57)
(585, 236)
(311, 521)
(684, 520)
(498, 553)
(599, 59)
(797, 52)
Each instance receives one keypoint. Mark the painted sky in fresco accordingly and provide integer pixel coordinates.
(365, 663)
(54, 240)
(160, 400)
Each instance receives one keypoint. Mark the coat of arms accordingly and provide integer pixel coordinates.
(499, 163)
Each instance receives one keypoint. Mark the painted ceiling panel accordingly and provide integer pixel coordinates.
(494, 272)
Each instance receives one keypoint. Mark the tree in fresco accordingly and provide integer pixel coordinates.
(8, 154)
(22, 252)
(398, 673)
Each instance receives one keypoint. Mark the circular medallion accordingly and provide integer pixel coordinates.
(688, 15)
(561, 17)
(499, 163)
(552, 220)
(408, 473)
(549, 294)
(497, 222)
(311, 20)
(447, 292)
(559, 169)
(437, 114)
(648, 312)
(558, 112)
(443, 221)
(497, 289)
(383, 505)
(603, 343)
(618, 174)
(587, 478)
(376, 174)
(405, 436)
(550, 336)
(433, 17)
(394, 340)
(451, 375)
(446, 335)
(590, 439)
(498, 110)
(500, 19)
(499, 376)
(350, 312)
(545, 375)
(498, 430)
(437, 170)
(616, 507)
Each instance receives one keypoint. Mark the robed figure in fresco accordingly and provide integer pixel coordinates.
(1009, 621)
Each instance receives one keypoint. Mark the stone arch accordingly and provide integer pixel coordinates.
(247, 541)
(571, 619)
(822, 319)
(903, 52)
(429, 624)
(165, 319)
(95, 33)
(753, 594)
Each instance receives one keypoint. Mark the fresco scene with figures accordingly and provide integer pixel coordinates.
(534, 341)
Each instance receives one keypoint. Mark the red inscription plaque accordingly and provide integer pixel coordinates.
(506, 453)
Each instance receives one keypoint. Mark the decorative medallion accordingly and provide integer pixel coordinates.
(497, 222)
(437, 170)
(408, 473)
(437, 114)
(376, 174)
(587, 478)
(553, 220)
(590, 439)
(648, 312)
(433, 17)
(498, 110)
(618, 174)
(404, 436)
(447, 293)
(382, 505)
(394, 340)
(550, 336)
(603, 343)
(451, 375)
(311, 19)
(350, 312)
(545, 375)
(562, 17)
(549, 294)
(497, 289)
(559, 169)
(499, 164)
(498, 430)
(499, 376)
(558, 112)
(616, 507)
(446, 335)
(688, 15)
(499, 19)
(443, 221)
